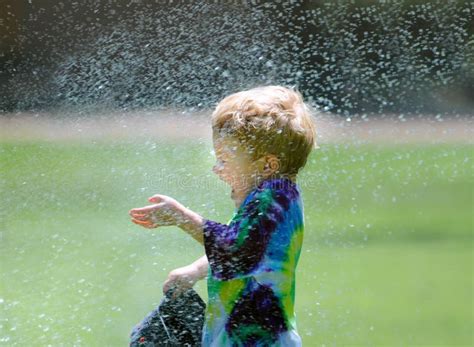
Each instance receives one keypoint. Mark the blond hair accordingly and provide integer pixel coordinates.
(268, 120)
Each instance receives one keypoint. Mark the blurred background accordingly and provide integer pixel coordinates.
(348, 57)
(105, 103)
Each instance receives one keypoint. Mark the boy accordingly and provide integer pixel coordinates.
(262, 138)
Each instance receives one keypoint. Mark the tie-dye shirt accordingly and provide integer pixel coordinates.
(252, 261)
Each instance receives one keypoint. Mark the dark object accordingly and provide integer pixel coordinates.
(175, 322)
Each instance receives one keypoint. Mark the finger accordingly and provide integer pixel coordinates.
(142, 222)
(139, 214)
(156, 198)
(167, 286)
(138, 222)
(141, 210)
(177, 292)
(135, 211)
(147, 209)
(142, 217)
(175, 288)
(148, 225)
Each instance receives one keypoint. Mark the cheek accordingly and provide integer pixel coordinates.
(226, 171)
(220, 170)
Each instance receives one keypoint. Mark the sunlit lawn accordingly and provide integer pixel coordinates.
(387, 257)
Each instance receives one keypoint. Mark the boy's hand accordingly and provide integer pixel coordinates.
(182, 279)
(166, 211)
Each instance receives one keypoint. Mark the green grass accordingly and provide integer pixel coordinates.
(387, 258)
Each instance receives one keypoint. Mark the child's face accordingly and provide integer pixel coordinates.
(234, 165)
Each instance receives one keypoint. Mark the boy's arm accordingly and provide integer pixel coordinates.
(234, 249)
(202, 266)
(183, 278)
(192, 224)
(166, 212)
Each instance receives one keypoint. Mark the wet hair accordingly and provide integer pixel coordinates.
(268, 120)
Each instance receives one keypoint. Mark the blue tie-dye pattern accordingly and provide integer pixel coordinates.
(251, 301)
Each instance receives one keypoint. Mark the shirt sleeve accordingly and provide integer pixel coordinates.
(235, 250)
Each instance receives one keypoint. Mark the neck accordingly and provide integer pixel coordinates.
(238, 196)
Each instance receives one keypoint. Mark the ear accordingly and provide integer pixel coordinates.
(272, 165)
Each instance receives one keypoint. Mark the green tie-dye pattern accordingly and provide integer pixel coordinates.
(278, 274)
(265, 201)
